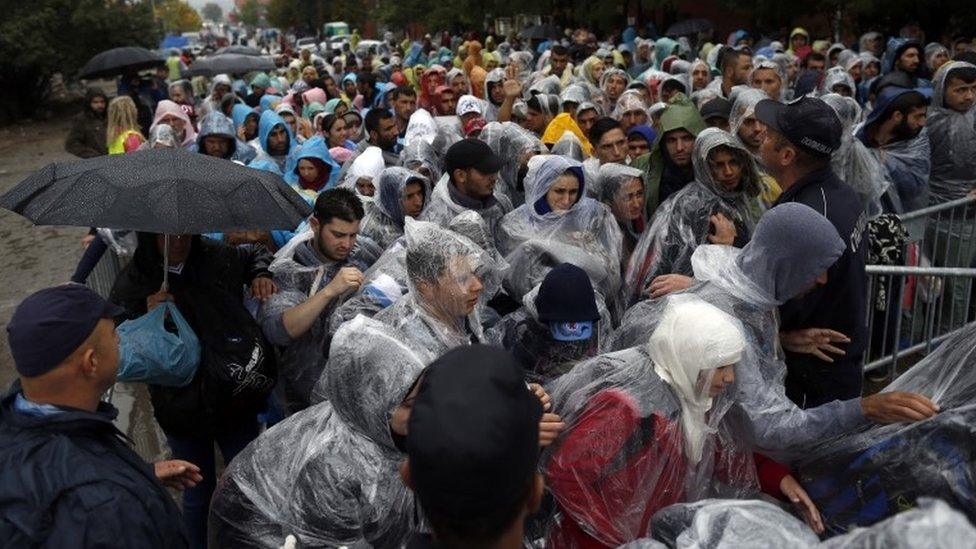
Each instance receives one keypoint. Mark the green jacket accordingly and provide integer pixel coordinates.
(679, 114)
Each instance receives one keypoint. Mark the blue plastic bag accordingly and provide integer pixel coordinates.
(148, 353)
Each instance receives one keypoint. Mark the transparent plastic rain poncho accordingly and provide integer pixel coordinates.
(714, 523)
(575, 93)
(837, 76)
(682, 223)
(569, 146)
(419, 156)
(548, 85)
(299, 274)
(611, 190)
(863, 477)
(420, 127)
(933, 525)
(853, 162)
(629, 101)
(383, 223)
(515, 145)
(791, 246)
(780, 71)
(952, 138)
(642, 432)
(328, 475)
(495, 77)
(907, 164)
(386, 281)
(442, 208)
(542, 357)
(443, 270)
(533, 243)
(744, 106)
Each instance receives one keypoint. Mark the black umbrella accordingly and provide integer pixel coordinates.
(230, 63)
(689, 27)
(120, 60)
(167, 191)
(540, 32)
(242, 50)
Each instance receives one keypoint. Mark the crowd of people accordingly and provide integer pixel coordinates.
(547, 290)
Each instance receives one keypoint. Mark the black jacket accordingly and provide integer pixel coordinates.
(87, 136)
(841, 303)
(214, 274)
(70, 480)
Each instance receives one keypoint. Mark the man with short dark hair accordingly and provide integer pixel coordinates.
(815, 61)
(735, 64)
(472, 461)
(800, 138)
(404, 104)
(470, 175)
(314, 272)
(381, 131)
(559, 64)
(894, 133)
(609, 141)
(68, 478)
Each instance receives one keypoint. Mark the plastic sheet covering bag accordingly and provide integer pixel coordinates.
(646, 429)
(714, 523)
(542, 357)
(328, 474)
(515, 145)
(446, 281)
(682, 222)
(933, 525)
(534, 238)
(866, 476)
(149, 353)
(952, 136)
(853, 162)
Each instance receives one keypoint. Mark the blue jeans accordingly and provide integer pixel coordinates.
(200, 452)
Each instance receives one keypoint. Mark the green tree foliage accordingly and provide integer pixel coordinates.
(177, 16)
(212, 12)
(250, 13)
(42, 37)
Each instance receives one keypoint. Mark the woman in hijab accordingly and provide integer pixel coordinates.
(559, 221)
(314, 171)
(647, 428)
(354, 126)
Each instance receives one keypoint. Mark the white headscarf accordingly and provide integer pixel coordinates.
(694, 337)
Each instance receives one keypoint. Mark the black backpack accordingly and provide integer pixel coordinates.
(237, 362)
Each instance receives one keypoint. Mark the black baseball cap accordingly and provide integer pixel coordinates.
(808, 123)
(472, 153)
(473, 437)
(50, 324)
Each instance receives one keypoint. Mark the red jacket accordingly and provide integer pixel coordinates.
(615, 469)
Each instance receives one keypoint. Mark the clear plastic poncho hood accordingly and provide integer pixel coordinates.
(384, 223)
(853, 162)
(952, 139)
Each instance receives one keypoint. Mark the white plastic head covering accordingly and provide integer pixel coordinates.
(420, 127)
(694, 337)
(469, 103)
(368, 165)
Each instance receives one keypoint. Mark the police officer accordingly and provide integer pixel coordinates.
(823, 331)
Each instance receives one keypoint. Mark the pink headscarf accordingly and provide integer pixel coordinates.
(166, 108)
(315, 95)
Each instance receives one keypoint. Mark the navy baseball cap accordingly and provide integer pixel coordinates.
(473, 435)
(50, 324)
(472, 153)
(808, 123)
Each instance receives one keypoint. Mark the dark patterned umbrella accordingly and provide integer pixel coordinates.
(230, 63)
(242, 50)
(165, 191)
(119, 60)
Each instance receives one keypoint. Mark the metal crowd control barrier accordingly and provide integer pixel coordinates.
(913, 308)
